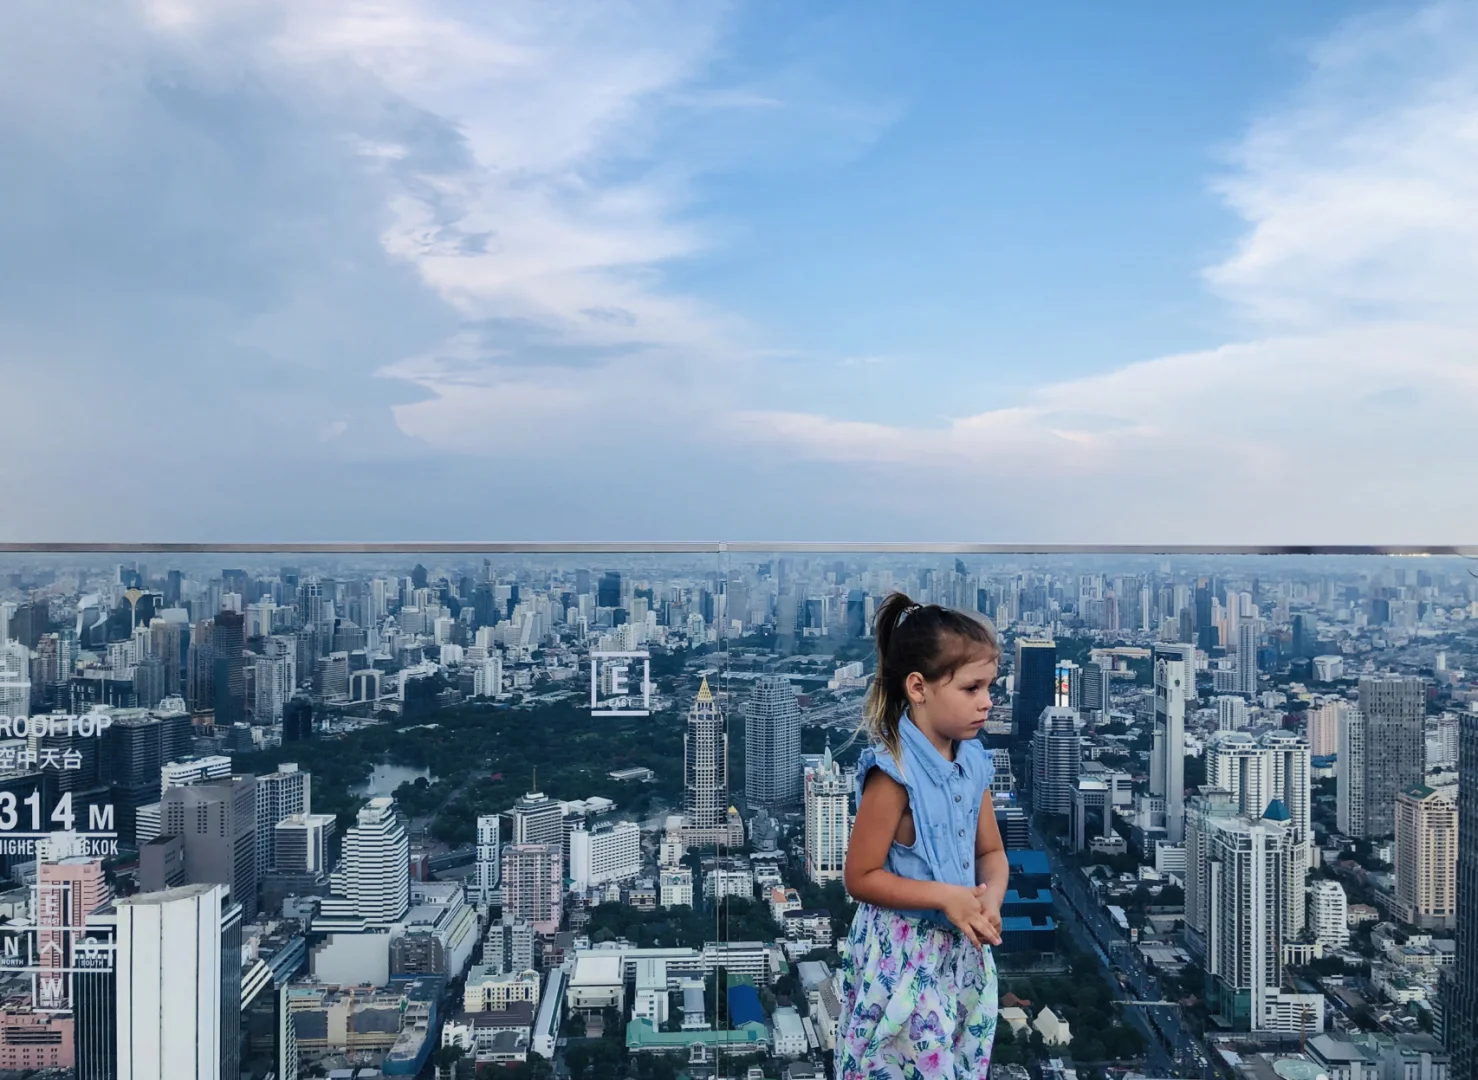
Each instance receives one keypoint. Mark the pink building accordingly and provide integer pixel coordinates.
(32, 1040)
(533, 885)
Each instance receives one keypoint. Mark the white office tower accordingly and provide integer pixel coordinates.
(1322, 720)
(609, 852)
(372, 886)
(15, 678)
(179, 985)
(538, 819)
(828, 820)
(1247, 658)
(1349, 774)
(1167, 764)
(772, 744)
(1239, 875)
(1231, 713)
(1269, 776)
(1056, 760)
(489, 859)
(280, 795)
(487, 678)
(1329, 914)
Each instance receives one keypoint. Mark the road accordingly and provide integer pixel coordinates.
(1172, 1050)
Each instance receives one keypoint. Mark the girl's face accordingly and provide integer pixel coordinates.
(956, 706)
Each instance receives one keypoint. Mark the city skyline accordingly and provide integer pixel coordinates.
(1187, 260)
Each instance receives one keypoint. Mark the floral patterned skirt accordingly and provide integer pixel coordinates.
(918, 1001)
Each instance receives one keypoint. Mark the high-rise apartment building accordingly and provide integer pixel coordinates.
(706, 764)
(68, 890)
(1426, 857)
(1033, 685)
(372, 886)
(1460, 1002)
(179, 985)
(1240, 872)
(533, 885)
(1056, 761)
(1394, 709)
(484, 888)
(509, 948)
(217, 820)
(1167, 755)
(1323, 718)
(1247, 634)
(1349, 773)
(1269, 776)
(828, 820)
(280, 794)
(772, 744)
(1329, 914)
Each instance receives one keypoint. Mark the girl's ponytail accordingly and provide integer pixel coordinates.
(886, 700)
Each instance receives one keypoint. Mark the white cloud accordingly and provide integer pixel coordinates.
(1344, 416)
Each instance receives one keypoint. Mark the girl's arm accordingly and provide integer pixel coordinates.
(884, 802)
(991, 868)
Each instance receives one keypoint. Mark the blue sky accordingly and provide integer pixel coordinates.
(671, 270)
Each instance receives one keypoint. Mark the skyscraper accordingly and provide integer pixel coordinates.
(1273, 769)
(484, 888)
(1349, 784)
(137, 746)
(1461, 999)
(1056, 760)
(302, 844)
(706, 763)
(217, 820)
(1426, 857)
(1394, 709)
(280, 794)
(179, 985)
(828, 820)
(1167, 756)
(1237, 898)
(772, 744)
(1034, 685)
(229, 641)
(1247, 633)
(372, 886)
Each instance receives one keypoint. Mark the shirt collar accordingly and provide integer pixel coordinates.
(935, 764)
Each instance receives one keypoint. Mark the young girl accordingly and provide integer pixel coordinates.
(926, 863)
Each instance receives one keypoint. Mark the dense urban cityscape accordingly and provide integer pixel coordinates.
(586, 816)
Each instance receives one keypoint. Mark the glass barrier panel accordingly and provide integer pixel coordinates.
(587, 811)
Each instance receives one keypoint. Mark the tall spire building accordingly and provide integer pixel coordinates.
(706, 763)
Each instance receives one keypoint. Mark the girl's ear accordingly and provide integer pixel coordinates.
(913, 686)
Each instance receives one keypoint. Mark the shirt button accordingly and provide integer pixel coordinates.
(957, 798)
(962, 832)
(964, 866)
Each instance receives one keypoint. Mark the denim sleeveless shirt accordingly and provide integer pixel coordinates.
(944, 797)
